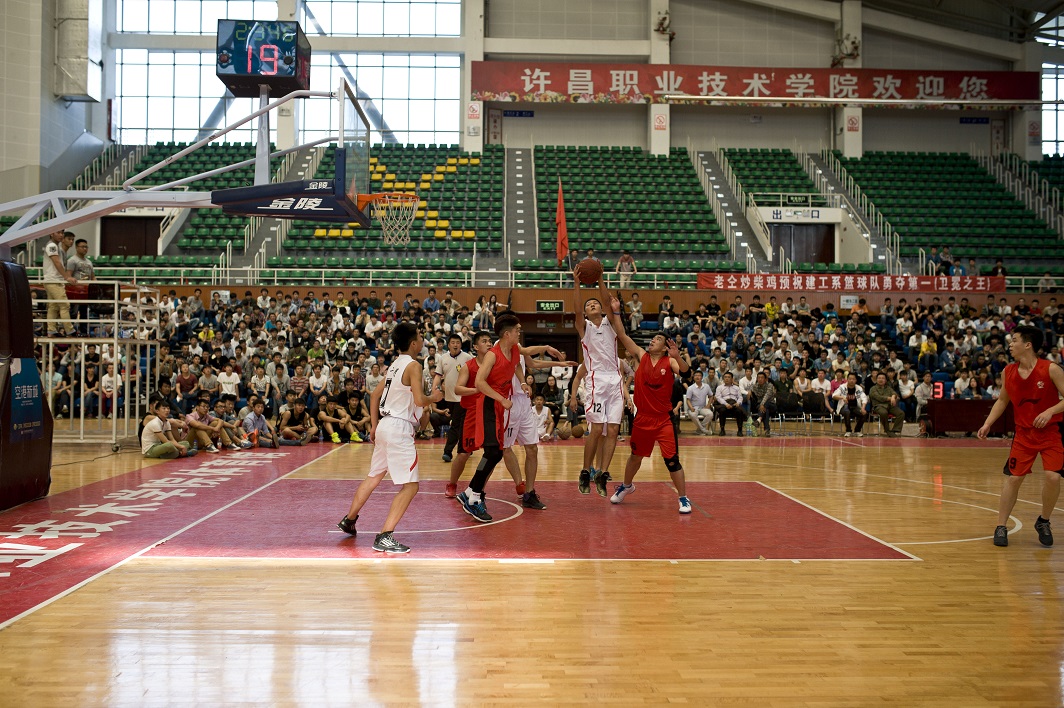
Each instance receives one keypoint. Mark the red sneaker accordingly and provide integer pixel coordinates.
(521, 489)
(452, 491)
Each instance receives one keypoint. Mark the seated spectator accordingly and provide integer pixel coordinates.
(697, 404)
(851, 406)
(729, 404)
(157, 439)
(635, 311)
(763, 401)
(884, 403)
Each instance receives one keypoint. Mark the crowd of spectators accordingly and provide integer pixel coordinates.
(310, 360)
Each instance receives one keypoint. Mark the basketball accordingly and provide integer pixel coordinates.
(588, 271)
(578, 430)
(564, 430)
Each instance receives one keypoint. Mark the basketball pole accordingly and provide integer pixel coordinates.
(262, 147)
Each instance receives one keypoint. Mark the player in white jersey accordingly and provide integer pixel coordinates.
(605, 402)
(396, 405)
(522, 430)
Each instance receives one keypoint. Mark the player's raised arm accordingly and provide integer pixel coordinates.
(679, 360)
(613, 313)
(578, 308)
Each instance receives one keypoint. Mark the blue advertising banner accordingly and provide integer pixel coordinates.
(27, 419)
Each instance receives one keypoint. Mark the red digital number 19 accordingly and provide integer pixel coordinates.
(274, 55)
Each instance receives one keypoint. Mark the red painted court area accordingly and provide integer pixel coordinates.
(53, 545)
(296, 518)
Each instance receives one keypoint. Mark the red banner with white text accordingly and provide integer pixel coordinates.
(549, 82)
(853, 284)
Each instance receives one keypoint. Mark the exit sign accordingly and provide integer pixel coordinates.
(550, 306)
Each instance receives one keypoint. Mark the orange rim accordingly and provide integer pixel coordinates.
(364, 200)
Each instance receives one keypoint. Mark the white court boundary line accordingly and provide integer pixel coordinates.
(839, 521)
(141, 552)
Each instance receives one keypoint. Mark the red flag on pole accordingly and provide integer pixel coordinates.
(563, 231)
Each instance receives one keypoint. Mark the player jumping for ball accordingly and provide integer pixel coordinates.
(605, 402)
(1034, 386)
(654, 376)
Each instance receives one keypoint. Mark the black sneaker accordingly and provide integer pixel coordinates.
(385, 543)
(1045, 534)
(1001, 536)
(475, 509)
(600, 482)
(530, 500)
(446, 457)
(348, 525)
(585, 482)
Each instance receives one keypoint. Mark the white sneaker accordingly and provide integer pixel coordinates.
(622, 491)
(211, 449)
(685, 505)
(858, 435)
(847, 435)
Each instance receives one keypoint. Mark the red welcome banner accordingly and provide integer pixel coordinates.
(855, 284)
(548, 82)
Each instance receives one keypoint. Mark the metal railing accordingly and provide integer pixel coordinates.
(760, 228)
(1034, 181)
(714, 200)
(1020, 186)
(751, 262)
(865, 206)
(798, 201)
(125, 323)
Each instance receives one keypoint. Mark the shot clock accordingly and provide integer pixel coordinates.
(254, 53)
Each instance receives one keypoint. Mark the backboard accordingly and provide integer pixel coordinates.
(344, 198)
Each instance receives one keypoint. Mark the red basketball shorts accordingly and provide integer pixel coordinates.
(1029, 444)
(647, 431)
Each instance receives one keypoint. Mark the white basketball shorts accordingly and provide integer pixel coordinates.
(393, 451)
(522, 427)
(605, 404)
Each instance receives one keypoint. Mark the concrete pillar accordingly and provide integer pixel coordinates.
(286, 118)
(473, 119)
(1026, 126)
(849, 120)
(659, 121)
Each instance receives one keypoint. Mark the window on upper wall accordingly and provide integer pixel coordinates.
(1052, 133)
(165, 95)
(382, 18)
(411, 98)
(188, 16)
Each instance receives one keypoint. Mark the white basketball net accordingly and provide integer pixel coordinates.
(396, 213)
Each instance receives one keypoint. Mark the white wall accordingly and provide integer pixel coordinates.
(567, 19)
(888, 51)
(730, 33)
(574, 124)
(924, 131)
(43, 140)
(739, 127)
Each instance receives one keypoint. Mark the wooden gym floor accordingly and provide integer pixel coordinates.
(742, 604)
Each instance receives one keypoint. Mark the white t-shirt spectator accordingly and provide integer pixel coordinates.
(110, 382)
(541, 418)
(230, 383)
(149, 437)
(51, 273)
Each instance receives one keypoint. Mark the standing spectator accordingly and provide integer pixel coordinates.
(635, 311)
(626, 269)
(1047, 284)
(81, 268)
(55, 279)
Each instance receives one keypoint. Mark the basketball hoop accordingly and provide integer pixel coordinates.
(395, 211)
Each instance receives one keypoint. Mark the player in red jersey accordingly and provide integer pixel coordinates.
(654, 376)
(471, 398)
(494, 380)
(1034, 386)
